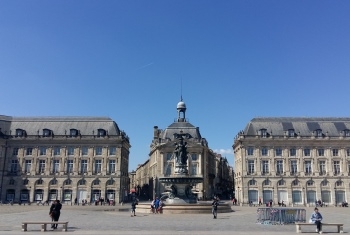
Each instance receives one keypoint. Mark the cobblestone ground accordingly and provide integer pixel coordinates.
(110, 220)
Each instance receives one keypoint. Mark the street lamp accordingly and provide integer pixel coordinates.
(335, 196)
(304, 195)
(238, 195)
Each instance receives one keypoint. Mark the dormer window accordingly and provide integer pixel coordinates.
(47, 132)
(347, 133)
(101, 133)
(73, 132)
(319, 133)
(291, 133)
(263, 133)
(20, 133)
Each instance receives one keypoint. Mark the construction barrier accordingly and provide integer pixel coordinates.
(273, 215)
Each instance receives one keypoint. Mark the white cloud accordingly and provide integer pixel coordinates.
(223, 152)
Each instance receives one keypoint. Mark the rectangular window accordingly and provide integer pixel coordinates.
(56, 166)
(168, 168)
(194, 157)
(112, 151)
(57, 151)
(278, 152)
(292, 152)
(42, 151)
(279, 166)
(70, 151)
(41, 166)
(84, 151)
(307, 152)
(84, 165)
(335, 152)
(348, 152)
(291, 133)
(28, 166)
(194, 169)
(168, 156)
(293, 167)
(264, 151)
(111, 166)
(98, 166)
(336, 167)
(15, 152)
(263, 133)
(70, 166)
(29, 151)
(250, 151)
(14, 166)
(265, 167)
(308, 169)
(320, 152)
(98, 151)
(251, 167)
(322, 167)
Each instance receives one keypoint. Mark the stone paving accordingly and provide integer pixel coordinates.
(117, 220)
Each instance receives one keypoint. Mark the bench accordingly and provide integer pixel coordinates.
(339, 226)
(43, 225)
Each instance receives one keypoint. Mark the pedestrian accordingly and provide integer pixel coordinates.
(55, 212)
(156, 205)
(133, 208)
(260, 202)
(316, 218)
(214, 208)
(152, 205)
(76, 201)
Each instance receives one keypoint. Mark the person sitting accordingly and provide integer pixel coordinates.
(344, 204)
(316, 218)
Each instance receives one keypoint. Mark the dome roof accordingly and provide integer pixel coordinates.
(181, 105)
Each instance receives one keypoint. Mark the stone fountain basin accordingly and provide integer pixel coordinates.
(202, 207)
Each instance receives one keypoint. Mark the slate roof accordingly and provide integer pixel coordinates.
(59, 125)
(302, 126)
(177, 127)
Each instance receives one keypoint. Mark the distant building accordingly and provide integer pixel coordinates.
(48, 158)
(295, 160)
(202, 162)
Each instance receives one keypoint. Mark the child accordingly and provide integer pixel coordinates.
(133, 208)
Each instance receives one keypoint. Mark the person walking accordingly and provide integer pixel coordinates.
(316, 218)
(133, 208)
(55, 212)
(214, 208)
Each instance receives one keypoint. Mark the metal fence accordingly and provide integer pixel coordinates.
(271, 215)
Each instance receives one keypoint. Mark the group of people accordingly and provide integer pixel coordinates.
(156, 206)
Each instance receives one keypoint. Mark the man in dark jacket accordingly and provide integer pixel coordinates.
(214, 205)
(55, 212)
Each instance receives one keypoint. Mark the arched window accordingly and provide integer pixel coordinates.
(39, 182)
(47, 132)
(110, 182)
(68, 182)
(82, 182)
(310, 183)
(295, 182)
(96, 182)
(281, 182)
(53, 182)
(267, 182)
(252, 183)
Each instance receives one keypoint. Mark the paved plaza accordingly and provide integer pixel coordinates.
(111, 220)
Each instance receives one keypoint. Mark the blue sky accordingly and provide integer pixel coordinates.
(125, 59)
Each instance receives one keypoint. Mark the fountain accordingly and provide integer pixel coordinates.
(180, 191)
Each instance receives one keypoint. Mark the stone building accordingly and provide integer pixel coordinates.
(48, 158)
(202, 161)
(297, 160)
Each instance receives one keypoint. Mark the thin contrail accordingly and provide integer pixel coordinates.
(142, 67)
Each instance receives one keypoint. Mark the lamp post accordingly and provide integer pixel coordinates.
(238, 196)
(335, 196)
(304, 196)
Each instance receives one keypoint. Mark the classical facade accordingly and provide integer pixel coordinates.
(43, 159)
(295, 160)
(201, 162)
